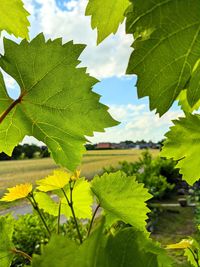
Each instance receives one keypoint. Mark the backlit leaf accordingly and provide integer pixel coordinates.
(166, 50)
(183, 144)
(46, 203)
(106, 16)
(57, 180)
(82, 200)
(122, 198)
(13, 18)
(56, 105)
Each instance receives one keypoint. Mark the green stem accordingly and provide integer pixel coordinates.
(59, 210)
(92, 220)
(70, 203)
(195, 256)
(35, 206)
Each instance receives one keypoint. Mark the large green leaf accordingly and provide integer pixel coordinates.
(13, 18)
(106, 16)
(166, 50)
(56, 104)
(122, 198)
(63, 252)
(60, 251)
(127, 249)
(6, 245)
(183, 144)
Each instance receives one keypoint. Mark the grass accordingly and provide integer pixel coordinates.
(21, 171)
(173, 225)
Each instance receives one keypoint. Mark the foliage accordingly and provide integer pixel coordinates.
(112, 13)
(158, 175)
(57, 180)
(179, 146)
(60, 110)
(14, 18)
(6, 245)
(191, 250)
(109, 187)
(29, 234)
(48, 82)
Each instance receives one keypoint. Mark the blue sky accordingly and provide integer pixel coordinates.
(107, 62)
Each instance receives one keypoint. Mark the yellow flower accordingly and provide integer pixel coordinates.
(76, 175)
(17, 192)
(183, 244)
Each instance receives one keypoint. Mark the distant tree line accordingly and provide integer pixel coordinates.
(30, 151)
(128, 144)
(27, 151)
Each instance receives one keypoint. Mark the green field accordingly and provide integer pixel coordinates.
(21, 171)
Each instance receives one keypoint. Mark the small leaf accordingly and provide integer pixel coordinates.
(17, 192)
(183, 144)
(122, 198)
(183, 244)
(82, 200)
(46, 203)
(13, 18)
(57, 180)
(106, 16)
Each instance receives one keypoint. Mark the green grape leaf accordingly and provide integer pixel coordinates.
(183, 102)
(106, 16)
(55, 181)
(46, 203)
(58, 252)
(63, 252)
(13, 18)
(6, 245)
(127, 249)
(55, 106)
(183, 144)
(166, 50)
(122, 198)
(82, 200)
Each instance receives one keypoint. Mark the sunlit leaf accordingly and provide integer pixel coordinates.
(166, 50)
(13, 18)
(122, 197)
(57, 180)
(106, 16)
(183, 144)
(46, 203)
(82, 200)
(56, 105)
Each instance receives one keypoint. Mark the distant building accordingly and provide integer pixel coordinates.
(104, 146)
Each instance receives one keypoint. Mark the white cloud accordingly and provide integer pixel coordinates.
(108, 59)
(136, 123)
